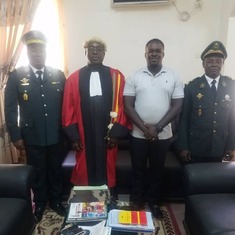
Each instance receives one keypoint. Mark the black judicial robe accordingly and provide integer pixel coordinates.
(89, 119)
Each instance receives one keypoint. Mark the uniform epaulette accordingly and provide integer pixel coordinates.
(187, 83)
(12, 70)
(195, 79)
(192, 81)
(52, 69)
(229, 77)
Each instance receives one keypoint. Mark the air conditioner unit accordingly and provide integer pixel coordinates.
(139, 2)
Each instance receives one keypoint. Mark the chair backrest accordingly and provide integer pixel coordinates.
(206, 178)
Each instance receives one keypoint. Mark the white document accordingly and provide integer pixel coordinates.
(98, 229)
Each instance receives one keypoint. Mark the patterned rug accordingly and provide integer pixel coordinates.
(169, 225)
(51, 223)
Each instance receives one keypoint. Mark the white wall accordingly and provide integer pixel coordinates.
(127, 29)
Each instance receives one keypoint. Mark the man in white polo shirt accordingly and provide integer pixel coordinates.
(153, 97)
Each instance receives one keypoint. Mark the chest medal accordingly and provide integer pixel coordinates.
(199, 112)
(25, 96)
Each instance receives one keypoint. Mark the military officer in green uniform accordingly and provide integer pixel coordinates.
(33, 100)
(207, 124)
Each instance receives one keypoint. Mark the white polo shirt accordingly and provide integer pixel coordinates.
(153, 96)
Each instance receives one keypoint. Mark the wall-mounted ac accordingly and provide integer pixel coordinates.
(138, 2)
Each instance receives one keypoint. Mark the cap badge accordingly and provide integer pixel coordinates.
(216, 46)
(199, 96)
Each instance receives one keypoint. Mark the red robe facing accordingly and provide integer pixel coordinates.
(91, 119)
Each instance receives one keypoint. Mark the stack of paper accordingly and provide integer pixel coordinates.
(116, 223)
(97, 229)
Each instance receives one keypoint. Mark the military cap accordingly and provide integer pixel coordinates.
(216, 47)
(95, 39)
(34, 36)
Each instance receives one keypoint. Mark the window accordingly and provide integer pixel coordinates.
(47, 21)
(229, 63)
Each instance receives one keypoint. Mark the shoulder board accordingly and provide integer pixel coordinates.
(12, 69)
(53, 70)
(193, 81)
(228, 77)
(23, 69)
(16, 69)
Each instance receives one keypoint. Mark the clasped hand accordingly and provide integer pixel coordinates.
(111, 142)
(151, 132)
(185, 156)
(78, 146)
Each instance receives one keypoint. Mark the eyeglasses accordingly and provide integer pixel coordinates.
(97, 49)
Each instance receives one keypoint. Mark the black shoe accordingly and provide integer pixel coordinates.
(156, 212)
(137, 206)
(58, 208)
(113, 194)
(38, 213)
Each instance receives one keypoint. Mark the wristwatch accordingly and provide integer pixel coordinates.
(159, 129)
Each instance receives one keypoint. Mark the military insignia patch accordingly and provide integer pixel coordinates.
(224, 84)
(24, 82)
(227, 97)
(202, 85)
(199, 96)
(12, 69)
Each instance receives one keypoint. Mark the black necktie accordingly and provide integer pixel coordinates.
(39, 73)
(213, 88)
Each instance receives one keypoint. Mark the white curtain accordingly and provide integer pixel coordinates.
(15, 19)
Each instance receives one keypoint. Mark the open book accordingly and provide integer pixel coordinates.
(114, 222)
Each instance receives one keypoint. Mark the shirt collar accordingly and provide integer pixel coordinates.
(209, 80)
(163, 70)
(35, 69)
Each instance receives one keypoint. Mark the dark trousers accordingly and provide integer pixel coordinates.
(143, 151)
(47, 172)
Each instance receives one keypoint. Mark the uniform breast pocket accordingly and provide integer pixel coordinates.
(225, 104)
(56, 87)
(23, 89)
(26, 123)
